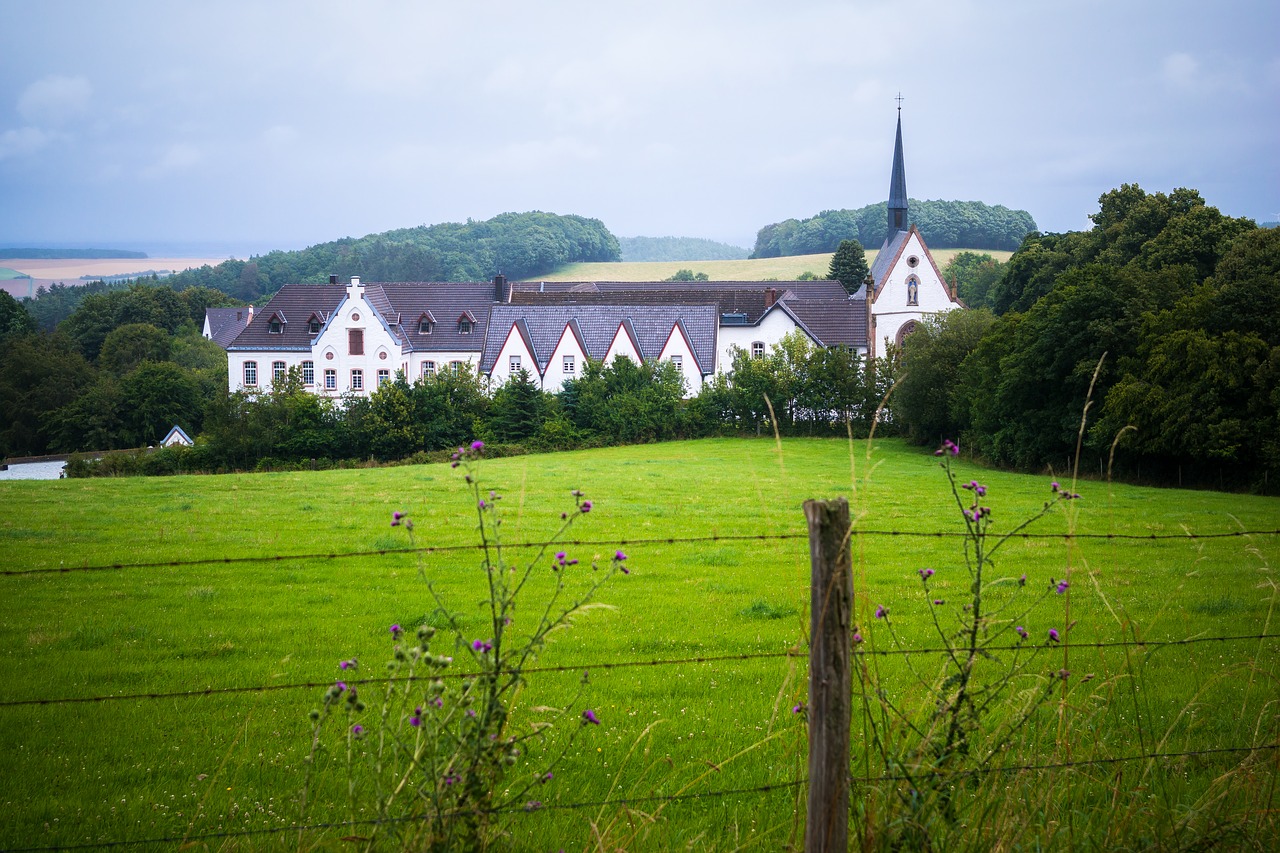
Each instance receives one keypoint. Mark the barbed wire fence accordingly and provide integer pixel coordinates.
(627, 802)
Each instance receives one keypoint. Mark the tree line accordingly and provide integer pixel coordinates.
(797, 389)
(944, 225)
(1162, 320)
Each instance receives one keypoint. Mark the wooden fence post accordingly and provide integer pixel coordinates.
(830, 676)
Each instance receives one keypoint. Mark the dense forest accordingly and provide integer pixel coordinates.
(519, 245)
(644, 249)
(1163, 320)
(944, 224)
(59, 254)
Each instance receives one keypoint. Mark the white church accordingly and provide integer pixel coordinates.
(350, 338)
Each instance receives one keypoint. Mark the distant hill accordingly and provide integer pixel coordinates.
(64, 254)
(678, 249)
(518, 245)
(944, 224)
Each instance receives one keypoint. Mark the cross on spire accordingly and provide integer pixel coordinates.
(899, 100)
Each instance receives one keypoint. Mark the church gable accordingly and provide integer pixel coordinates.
(912, 281)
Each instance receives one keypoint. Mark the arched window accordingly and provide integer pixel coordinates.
(905, 331)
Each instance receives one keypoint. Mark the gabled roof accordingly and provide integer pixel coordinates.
(888, 256)
(749, 298)
(841, 322)
(179, 433)
(226, 323)
(300, 300)
(448, 300)
(597, 324)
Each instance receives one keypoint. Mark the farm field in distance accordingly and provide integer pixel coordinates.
(760, 269)
(45, 272)
(224, 766)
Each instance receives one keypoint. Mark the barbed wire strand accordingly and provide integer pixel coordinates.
(606, 665)
(611, 543)
(624, 802)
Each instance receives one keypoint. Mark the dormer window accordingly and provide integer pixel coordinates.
(464, 325)
(274, 326)
(424, 326)
(313, 325)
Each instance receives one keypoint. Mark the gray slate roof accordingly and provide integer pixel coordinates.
(834, 322)
(445, 302)
(294, 304)
(226, 323)
(597, 324)
(887, 255)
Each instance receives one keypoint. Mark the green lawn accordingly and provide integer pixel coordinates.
(140, 769)
(7, 274)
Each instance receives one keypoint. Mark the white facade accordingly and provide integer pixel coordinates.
(911, 289)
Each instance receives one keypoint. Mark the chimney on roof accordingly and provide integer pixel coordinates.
(354, 291)
(239, 316)
(250, 320)
(501, 291)
(333, 279)
(770, 297)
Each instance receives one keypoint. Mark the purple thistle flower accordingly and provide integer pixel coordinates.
(1053, 635)
(395, 631)
(589, 716)
(482, 503)
(532, 805)
(1062, 587)
(586, 506)
(938, 601)
(1064, 674)
(857, 638)
(560, 555)
(348, 664)
(471, 712)
(477, 445)
(357, 730)
(415, 721)
(1054, 486)
(619, 556)
(925, 574)
(881, 613)
(437, 702)
(1022, 581)
(796, 709)
(397, 515)
(1022, 632)
(546, 777)
(482, 646)
(450, 779)
(341, 685)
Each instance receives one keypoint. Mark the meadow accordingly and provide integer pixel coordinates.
(226, 768)
(759, 269)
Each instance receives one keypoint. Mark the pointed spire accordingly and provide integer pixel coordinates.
(898, 184)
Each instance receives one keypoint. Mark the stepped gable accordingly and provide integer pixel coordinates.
(596, 323)
(226, 323)
(444, 303)
(293, 304)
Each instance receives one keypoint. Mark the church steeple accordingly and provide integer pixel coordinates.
(898, 184)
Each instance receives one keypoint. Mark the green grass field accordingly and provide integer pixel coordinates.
(782, 269)
(7, 274)
(137, 769)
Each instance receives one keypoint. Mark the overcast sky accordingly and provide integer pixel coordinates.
(281, 124)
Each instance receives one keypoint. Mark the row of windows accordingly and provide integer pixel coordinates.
(279, 370)
(429, 368)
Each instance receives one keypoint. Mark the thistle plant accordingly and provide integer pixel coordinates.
(991, 680)
(436, 761)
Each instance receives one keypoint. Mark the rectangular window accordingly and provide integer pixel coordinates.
(568, 365)
(308, 373)
(515, 364)
(355, 341)
(428, 369)
(678, 361)
(757, 349)
(250, 374)
(383, 376)
(357, 380)
(457, 367)
(313, 326)
(464, 326)
(424, 326)
(278, 371)
(330, 379)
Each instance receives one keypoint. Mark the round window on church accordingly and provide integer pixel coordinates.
(355, 316)
(913, 262)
